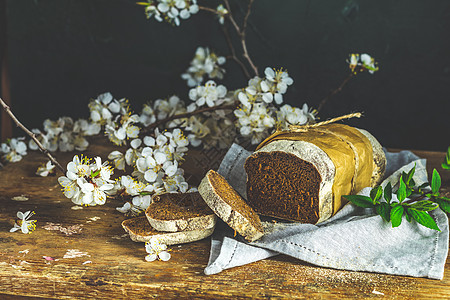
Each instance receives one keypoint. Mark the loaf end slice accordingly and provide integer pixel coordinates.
(140, 230)
(174, 212)
(230, 207)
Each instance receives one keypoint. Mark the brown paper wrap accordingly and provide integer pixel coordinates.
(349, 150)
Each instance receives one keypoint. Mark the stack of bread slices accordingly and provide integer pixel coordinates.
(173, 218)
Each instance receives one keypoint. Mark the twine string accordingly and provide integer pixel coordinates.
(305, 128)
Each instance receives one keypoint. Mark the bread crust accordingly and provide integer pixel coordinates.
(226, 212)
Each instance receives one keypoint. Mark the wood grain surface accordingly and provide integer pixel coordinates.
(111, 266)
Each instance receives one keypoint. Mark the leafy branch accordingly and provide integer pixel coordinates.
(413, 202)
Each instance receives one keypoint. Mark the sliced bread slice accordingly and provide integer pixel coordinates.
(230, 207)
(174, 212)
(140, 230)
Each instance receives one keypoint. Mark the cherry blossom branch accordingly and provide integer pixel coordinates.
(32, 135)
(190, 114)
(334, 92)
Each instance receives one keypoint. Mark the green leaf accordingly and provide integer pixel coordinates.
(404, 177)
(388, 192)
(396, 215)
(435, 182)
(423, 185)
(145, 193)
(376, 194)
(95, 174)
(408, 191)
(359, 200)
(445, 166)
(384, 210)
(444, 205)
(423, 218)
(447, 157)
(424, 205)
(408, 216)
(410, 176)
(401, 193)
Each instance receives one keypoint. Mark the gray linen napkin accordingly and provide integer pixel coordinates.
(353, 239)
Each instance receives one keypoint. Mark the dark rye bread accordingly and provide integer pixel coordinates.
(140, 230)
(292, 183)
(172, 212)
(301, 176)
(230, 207)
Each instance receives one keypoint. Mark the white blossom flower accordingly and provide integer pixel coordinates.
(359, 63)
(252, 93)
(288, 115)
(118, 158)
(118, 132)
(148, 115)
(86, 128)
(156, 250)
(94, 194)
(369, 63)
(275, 85)
(141, 202)
(87, 183)
(132, 154)
(170, 10)
(254, 122)
(130, 185)
(24, 223)
(221, 12)
(126, 209)
(46, 169)
(205, 63)
(163, 108)
(14, 149)
(103, 108)
(208, 94)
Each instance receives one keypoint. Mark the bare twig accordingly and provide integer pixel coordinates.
(230, 16)
(241, 32)
(249, 8)
(190, 114)
(233, 52)
(334, 92)
(212, 10)
(32, 135)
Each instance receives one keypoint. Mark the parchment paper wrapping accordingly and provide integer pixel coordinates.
(353, 239)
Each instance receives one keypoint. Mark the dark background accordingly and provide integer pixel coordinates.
(62, 53)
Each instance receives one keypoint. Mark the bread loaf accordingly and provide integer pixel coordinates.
(301, 176)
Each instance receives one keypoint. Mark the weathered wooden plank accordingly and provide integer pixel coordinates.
(117, 268)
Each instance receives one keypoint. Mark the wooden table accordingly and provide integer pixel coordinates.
(110, 266)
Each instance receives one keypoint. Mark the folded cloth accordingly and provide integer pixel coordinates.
(354, 239)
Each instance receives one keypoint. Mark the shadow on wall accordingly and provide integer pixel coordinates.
(62, 53)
